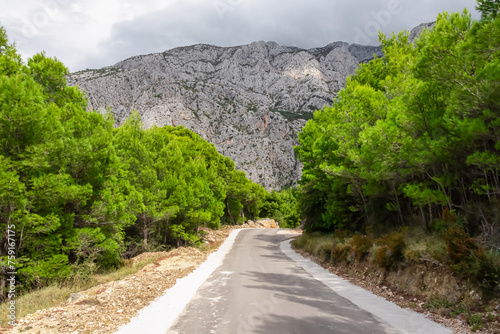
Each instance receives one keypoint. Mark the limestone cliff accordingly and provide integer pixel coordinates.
(250, 101)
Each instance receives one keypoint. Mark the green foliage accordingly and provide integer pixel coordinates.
(179, 233)
(94, 245)
(182, 183)
(391, 250)
(438, 302)
(488, 8)
(243, 197)
(475, 321)
(60, 174)
(10, 61)
(50, 74)
(283, 207)
(412, 133)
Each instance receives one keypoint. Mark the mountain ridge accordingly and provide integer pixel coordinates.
(250, 101)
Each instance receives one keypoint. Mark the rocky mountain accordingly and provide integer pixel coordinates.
(250, 101)
(415, 32)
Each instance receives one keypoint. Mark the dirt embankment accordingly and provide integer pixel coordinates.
(104, 308)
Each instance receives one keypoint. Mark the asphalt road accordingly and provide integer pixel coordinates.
(258, 289)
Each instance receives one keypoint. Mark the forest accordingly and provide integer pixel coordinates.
(76, 191)
(404, 166)
(413, 136)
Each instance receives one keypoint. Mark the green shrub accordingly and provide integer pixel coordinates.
(391, 250)
(475, 321)
(436, 248)
(321, 247)
(324, 252)
(471, 260)
(43, 272)
(436, 303)
(315, 243)
(299, 242)
(341, 253)
(484, 267)
(361, 246)
(459, 244)
(81, 273)
(383, 256)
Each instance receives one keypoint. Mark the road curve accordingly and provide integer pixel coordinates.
(259, 289)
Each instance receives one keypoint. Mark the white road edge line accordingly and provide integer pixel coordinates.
(161, 314)
(403, 320)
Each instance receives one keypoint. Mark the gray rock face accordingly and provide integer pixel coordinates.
(250, 101)
(365, 53)
(415, 32)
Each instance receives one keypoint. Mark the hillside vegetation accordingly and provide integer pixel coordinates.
(78, 194)
(406, 160)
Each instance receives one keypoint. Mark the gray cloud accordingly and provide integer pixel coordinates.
(302, 23)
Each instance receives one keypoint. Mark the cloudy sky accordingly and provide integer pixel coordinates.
(96, 33)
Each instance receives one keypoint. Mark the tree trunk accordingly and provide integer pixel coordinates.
(426, 223)
(166, 232)
(229, 211)
(431, 218)
(400, 214)
(144, 229)
(487, 186)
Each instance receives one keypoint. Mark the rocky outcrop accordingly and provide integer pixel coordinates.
(250, 101)
(263, 223)
(415, 32)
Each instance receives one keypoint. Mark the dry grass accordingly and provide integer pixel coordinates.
(39, 299)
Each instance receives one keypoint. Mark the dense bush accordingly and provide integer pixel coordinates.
(283, 206)
(341, 253)
(391, 250)
(471, 260)
(361, 245)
